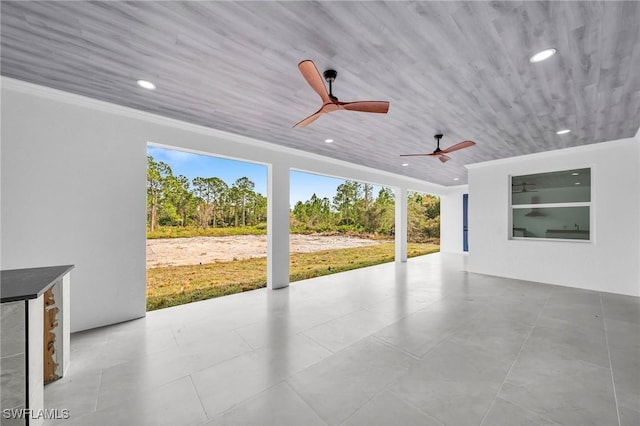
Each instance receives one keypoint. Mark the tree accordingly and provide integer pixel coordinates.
(157, 173)
(300, 212)
(423, 217)
(177, 202)
(220, 195)
(243, 194)
(416, 217)
(367, 194)
(233, 201)
(314, 213)
(347, 195)
(383, 212)
(214, 194)
(203, 190)
(385, 197)
(432, 212)
(259, 209)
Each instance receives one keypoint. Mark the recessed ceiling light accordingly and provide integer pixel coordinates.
(405, 164)
(328, 140)
(575, 174)
(146, 84)
(541, 56)
(577, 183)
(456, 178)
(563, 132)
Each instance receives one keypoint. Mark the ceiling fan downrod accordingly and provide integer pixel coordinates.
(330, 77)
(438, 137)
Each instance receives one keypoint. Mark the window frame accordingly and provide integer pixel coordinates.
(589, 204)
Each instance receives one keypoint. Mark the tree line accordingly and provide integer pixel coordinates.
(211, 202)
(354, 208)
(204, 202)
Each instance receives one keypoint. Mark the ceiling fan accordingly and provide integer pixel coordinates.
(523, 187)
(329, 102)
(441, 153)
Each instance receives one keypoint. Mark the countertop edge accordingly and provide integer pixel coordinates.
(63, 270)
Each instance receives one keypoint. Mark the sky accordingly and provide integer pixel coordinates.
(302, 185)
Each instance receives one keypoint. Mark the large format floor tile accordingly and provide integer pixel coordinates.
(418, 343)
(566, 392)
(175, 403)
(505, 413)
(278, 405)
(388, 409)
(225, 384)
(339, 385)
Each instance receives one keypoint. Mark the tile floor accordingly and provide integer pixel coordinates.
(421, 343)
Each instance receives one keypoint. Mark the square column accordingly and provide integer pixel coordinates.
(401, 224)
(278, 226)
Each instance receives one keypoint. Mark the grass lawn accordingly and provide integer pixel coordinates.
(176, 285)
(191, 231)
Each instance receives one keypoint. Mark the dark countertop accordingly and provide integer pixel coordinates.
(30, 283)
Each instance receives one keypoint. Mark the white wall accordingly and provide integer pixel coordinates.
(73, 190)
(609, 263)
(451, 220)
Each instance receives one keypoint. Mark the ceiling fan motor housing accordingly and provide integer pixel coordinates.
(330, 75)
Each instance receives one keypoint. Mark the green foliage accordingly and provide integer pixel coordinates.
(243, 196)
(423, 217)
(346, 203)
(209, 202)
(158, 174)
(211, 196)
(353, 210)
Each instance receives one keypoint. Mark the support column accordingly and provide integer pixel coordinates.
(278, 227)
(401, 224)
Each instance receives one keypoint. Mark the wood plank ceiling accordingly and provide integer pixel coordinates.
(460, 68)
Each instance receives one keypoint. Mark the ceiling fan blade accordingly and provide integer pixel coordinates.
(443, 158)
(460, 145)
(413, 155)
(380, 107)
(310, 119)
(313, 77)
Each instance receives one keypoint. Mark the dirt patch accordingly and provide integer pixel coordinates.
(196, 250)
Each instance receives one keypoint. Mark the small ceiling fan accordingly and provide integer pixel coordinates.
(441, 153)
(518, 188)
(329, 102)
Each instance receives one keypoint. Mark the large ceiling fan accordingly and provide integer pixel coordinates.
(441, 153)
(329, 102)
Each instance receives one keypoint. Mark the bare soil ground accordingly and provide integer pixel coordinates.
(196, 250)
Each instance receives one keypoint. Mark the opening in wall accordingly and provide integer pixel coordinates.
(206, 226)
(552, 206)
(338, 225)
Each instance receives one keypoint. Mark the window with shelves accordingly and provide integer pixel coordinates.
(554, 205)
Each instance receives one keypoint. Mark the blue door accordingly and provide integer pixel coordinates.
(465, 222)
